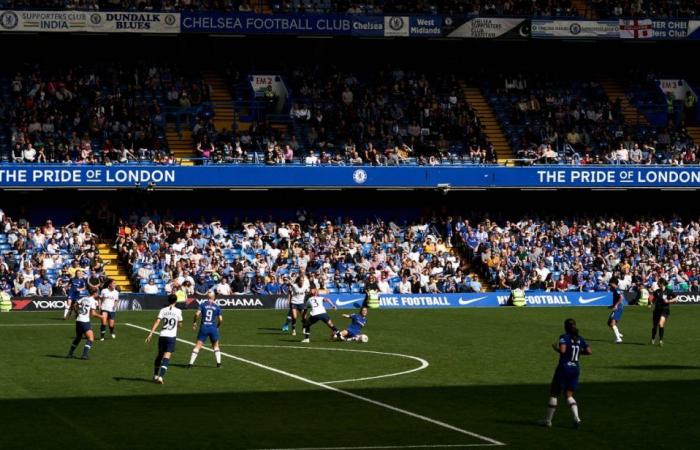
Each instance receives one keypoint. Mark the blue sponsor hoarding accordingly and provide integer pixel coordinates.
(245, 177)
(477, 300)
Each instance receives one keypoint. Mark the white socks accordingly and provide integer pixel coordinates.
(574, 407)
(217, 355)
(193, 357)
(618, 336)
(66, 311)
(551, 407)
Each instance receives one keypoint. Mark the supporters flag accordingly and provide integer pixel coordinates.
(636, 29)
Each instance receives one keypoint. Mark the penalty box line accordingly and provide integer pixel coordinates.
(343, 392)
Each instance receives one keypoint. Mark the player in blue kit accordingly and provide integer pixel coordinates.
(171, 319)
(617, 308)
(212, 318)
(570, 347)
(76, 286)
(354, 330)
(85, 309)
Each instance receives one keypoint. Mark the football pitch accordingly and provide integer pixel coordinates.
(435, 379)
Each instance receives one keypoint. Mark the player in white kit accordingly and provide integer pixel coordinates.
(108, 309)
(315, 312)
(297, 299)
(171, 318)
(85, 308)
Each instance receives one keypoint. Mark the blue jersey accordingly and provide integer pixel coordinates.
(210, 314)
(575, 346)
(357, 323)
(76, 286)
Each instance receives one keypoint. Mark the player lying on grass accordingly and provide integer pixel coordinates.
(85, 308)
(108, 309)
(315, 312)
(570, 347)
(354, 330)
(212, 318)
(171, 318)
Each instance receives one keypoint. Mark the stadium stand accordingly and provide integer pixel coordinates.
(553, 120)
(583, 255)
(259, 256)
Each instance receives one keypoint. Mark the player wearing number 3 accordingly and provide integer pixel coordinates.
(212, 318)
(569, 348)
(171, 318)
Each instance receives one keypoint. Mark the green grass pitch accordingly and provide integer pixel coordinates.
(488, 375)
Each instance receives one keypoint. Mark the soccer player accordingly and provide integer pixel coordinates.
(617, 308)
(212, 318)
(661, 301)
(570, 347)
(314, 312)
(76, 286)
(108, 309)
(353, 331)
(85, 308)
(297, 299)
(171, 318)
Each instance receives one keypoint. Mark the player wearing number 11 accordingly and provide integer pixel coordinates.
(212, 318)
(569, 348)
(171, 318)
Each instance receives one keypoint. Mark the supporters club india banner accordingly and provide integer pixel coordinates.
(89, 22)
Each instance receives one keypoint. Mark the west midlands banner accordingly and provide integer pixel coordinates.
(46, 176)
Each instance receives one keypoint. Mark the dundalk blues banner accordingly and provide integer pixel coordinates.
(89, 22)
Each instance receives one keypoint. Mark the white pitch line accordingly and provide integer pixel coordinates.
(380, 447)
(36, 324)
(423, 363)
(343, 392)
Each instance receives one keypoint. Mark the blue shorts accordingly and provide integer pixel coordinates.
(208, 332)
(111, 315)
(82, 327)
(166, 344)
(298, 307)
(615, 315)
(319, 318)
(565, 379)
(353, 331)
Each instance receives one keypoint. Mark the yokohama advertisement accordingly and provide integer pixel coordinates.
(127, 302)
(252, 301)
(689, 298)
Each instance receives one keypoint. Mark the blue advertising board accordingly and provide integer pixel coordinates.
(477, 300)
(19, 176)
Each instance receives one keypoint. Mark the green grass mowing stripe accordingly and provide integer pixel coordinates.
(382, 447)
(343, 392)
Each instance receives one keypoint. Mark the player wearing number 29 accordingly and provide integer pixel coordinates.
(85, 308)
(569, 348)
(212, 318)
(171, 318)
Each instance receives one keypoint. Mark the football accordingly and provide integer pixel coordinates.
(364, 338)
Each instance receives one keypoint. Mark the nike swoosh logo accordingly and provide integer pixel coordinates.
(348, 302)
(469, 302)
(584, 301)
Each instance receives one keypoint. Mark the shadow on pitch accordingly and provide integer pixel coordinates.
(133, 379)
(57, 356)
(656, 367)
(605, 341)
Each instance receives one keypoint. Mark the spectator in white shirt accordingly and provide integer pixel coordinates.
(150, 288)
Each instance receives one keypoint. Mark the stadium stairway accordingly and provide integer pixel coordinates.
(488, 121)
(613, 89)
(114, 268)
(584, 9)
(694, 133)
(180, 144)
(222, 101)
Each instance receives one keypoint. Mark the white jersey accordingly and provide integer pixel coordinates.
(316, 305)
(299, 293)
(84, 306)
(109, 299)
(170, 317)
